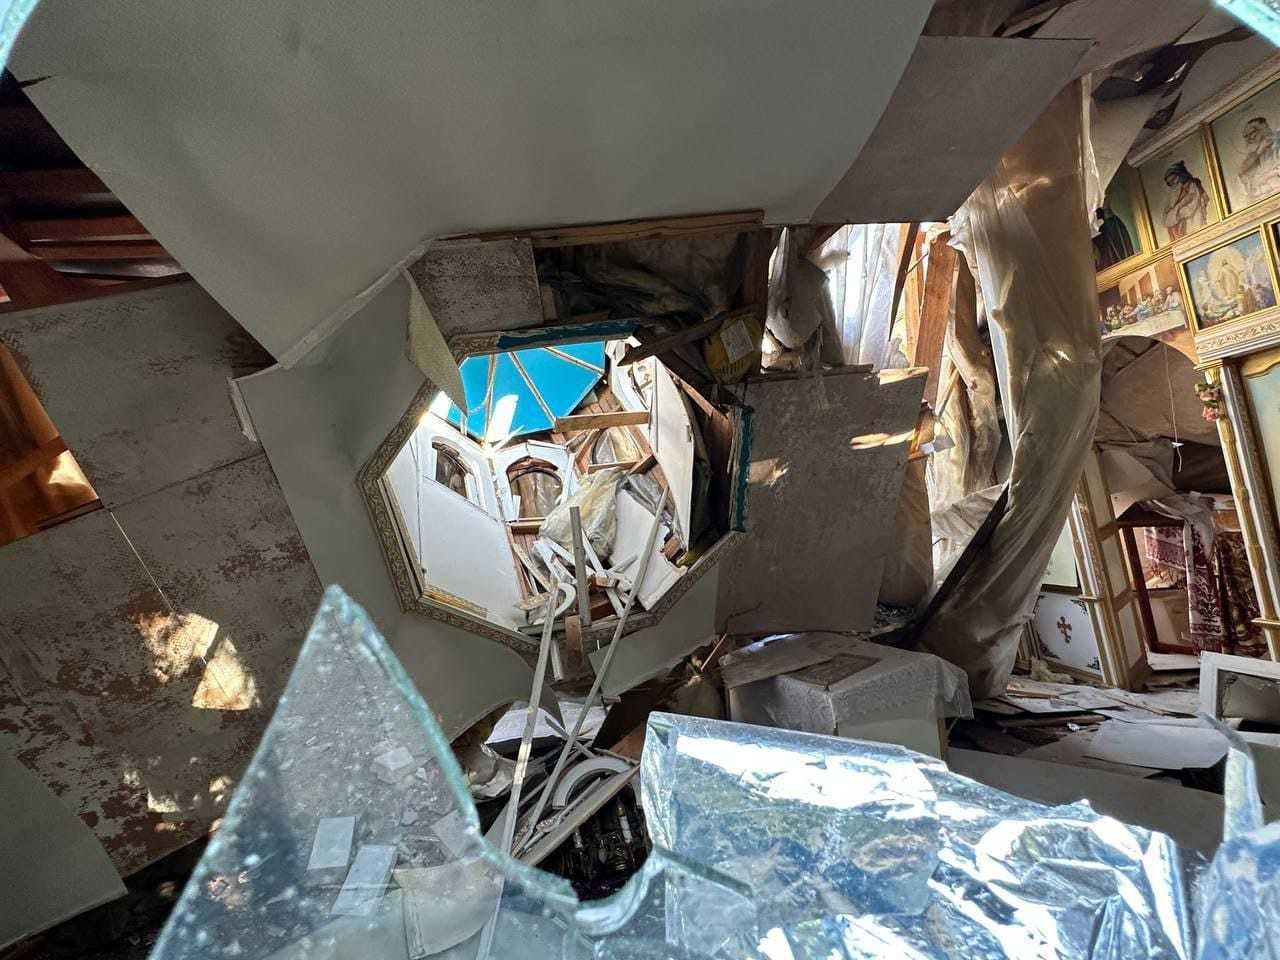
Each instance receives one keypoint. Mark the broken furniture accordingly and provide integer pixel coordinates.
(767, 843)
(836, 685)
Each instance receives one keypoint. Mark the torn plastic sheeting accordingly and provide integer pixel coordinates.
(596, 499)
(791, 847)
(1026, 230)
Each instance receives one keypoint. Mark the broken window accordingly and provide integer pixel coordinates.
(450, 470)
(537, 484)
(615, 445)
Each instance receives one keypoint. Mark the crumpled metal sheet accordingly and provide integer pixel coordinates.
(768, 845)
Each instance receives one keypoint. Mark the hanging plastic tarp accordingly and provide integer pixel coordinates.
(353, 835)
(1025, 231)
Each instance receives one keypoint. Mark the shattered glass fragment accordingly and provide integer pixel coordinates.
(768, 845)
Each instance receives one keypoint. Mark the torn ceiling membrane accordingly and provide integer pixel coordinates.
(288, 156)
(941, 122)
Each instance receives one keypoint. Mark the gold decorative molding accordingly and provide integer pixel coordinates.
(1240, 89)
(1257, 364)
(1253, 333)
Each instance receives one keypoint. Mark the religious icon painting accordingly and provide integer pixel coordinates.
(1143, 303)
(1178, 188)
(1230, 282)
(1118, 235)
(1247, 139)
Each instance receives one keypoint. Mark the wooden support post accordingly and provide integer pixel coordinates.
(932, 333)
(580, 567)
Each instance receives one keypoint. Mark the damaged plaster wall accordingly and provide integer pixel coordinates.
(143, 645)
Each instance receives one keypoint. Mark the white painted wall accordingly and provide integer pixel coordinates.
(461, 546)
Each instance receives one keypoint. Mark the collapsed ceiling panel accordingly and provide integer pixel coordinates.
(1122, 28)
(314, 146)
(941, 126)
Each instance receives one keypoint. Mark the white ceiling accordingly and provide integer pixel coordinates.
(290, 153)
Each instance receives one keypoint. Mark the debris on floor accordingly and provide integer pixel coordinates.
(742, 821)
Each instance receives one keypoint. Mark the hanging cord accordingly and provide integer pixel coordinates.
(1173, 413)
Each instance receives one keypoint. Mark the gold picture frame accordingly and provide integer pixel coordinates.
(1127, 182)
(1199, 165)
(1268, 140)
(1229, 285)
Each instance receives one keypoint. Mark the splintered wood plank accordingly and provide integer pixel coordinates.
(655, 228)
(65, 229)
(601, 421)
(105, 250)
(932, 332)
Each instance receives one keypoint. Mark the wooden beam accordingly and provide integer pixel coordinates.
(580, 568)
(108, 250)
(656, 228)
(932, 333)
(691, 334)
(53, 185)
(906, 253)
(70, 229)
(601, 421)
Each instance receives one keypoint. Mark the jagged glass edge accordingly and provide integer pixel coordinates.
(593, 920)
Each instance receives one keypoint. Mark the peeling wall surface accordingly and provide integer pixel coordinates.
(143, 645)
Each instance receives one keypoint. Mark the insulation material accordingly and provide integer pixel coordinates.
(1026, 229)
(597, 502)
(861, 262)
(801, 314)
(767, 844)
(317, 145)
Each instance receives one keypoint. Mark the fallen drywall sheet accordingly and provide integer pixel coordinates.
(479, 286)
(941, 124)
(1192, 817)
(827, 459)
(318, 423)
(137, 384)
(317, 144)
(56, 868)
(105, 692)
(1161, 747)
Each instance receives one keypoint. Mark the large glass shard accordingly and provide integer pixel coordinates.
(353, 835)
